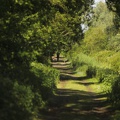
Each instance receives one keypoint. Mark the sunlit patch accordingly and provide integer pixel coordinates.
(100, 99)
(70, 105)
(100, 109)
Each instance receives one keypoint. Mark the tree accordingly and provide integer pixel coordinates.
(101, 29)
(114, 5)
(31, 31)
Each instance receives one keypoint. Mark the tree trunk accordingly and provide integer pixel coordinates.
(58, 55)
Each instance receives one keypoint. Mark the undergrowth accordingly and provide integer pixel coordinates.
(104, 72)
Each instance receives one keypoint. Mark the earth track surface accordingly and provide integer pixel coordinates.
(75, 104)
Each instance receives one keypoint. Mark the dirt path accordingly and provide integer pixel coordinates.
(75, 99)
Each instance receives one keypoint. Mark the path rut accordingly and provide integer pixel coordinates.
(73, 104)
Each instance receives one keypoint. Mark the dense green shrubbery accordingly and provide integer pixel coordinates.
(111, 80)
(19, 100)
(115, 92)
(79, 59)
(116, 116)
(110, 75)
(47, 79)
(105, 74)
(16, 100)
(99, 52)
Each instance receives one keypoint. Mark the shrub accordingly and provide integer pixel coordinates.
(45, 79)
(106, 75)
(116, 116)
(115, 92)
(91, 71)
(23, 96)
(111, 79)
(15, 100)
(103, 74)
(81, 59)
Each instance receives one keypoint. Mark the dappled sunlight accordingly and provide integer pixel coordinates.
(69, 104)
(76, 98)
(71, 84)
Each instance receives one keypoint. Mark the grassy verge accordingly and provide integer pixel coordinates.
(71, 84)
(82, 85)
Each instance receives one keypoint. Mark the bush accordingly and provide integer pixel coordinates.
(15, 100)
(105, 65)
(115, 92)
(81, 59)
(21, 98)
(111, 79)
(116, 116)
(45, 79)
(91, 71)
(106, 75)
(102, 74)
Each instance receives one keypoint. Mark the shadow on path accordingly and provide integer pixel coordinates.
(70, 104)
(77, 105)
(70, 77)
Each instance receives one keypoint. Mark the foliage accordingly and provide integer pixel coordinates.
(25, 98)
(46, 81)
(33, 31)
(114, 43)
(114, 5)
(102, 28)
(15, 100)
(91, 72)
(99, 52)
(117, 115)
(115, 95)
(98, 42)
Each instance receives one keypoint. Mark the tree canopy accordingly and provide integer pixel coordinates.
(114, 5)
(31, 32)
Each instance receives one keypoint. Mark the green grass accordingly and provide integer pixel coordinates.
(96, 87)
(79, 85)
(77, 99)
(71, 84)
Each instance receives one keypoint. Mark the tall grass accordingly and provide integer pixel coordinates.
(103, 66)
